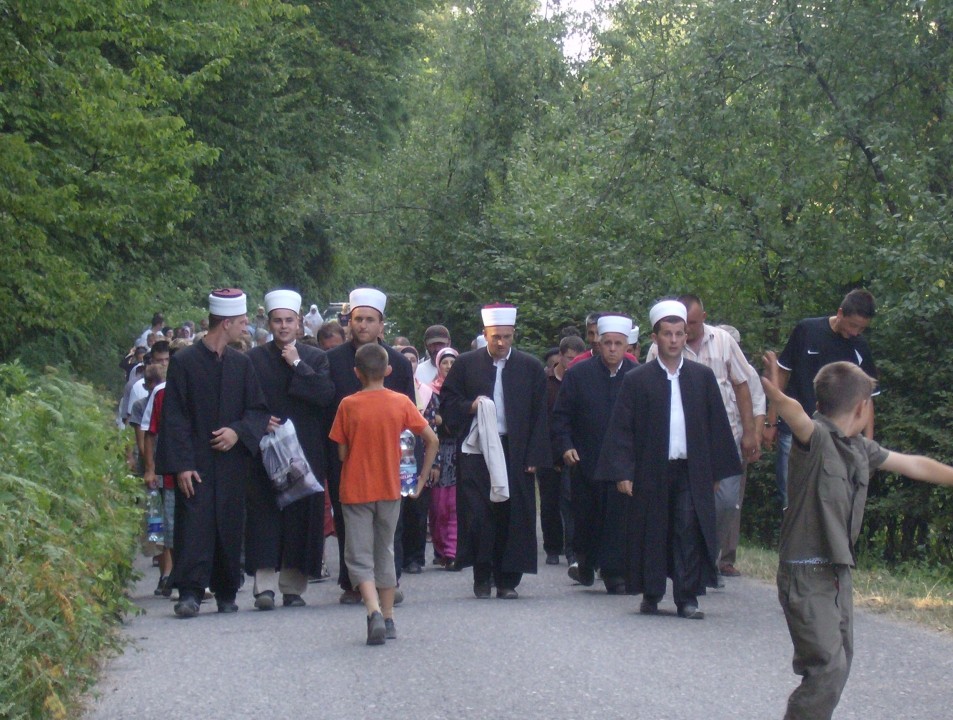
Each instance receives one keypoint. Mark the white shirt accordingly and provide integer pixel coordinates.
(150, 403)
(498, 392)
(677, 438)
(426, 372)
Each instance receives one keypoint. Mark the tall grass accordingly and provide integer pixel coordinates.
(68, 523)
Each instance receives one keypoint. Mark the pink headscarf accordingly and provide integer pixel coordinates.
(441, 376)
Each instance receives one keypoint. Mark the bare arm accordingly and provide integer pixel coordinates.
(749, 438)
(802, 427)
(918, 467)
(342, 452)
(771, 432)
(431, 445)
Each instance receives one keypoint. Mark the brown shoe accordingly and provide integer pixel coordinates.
(729, 570)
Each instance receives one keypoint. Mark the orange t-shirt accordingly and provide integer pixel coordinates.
(370, 424)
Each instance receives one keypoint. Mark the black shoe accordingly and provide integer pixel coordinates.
(292, 600)
(583, 575)
(398, 596)
(413, 568)
(390, 629)
(719, 582)
(350, 597)
(187, 607)
(507, 593)
(227, 606)
(265, 600)
(690, 611)
(552, 558)
(615, 586)
(481, 590)
(376, 629)
(570, 558)
(649, 606)
(164, 583)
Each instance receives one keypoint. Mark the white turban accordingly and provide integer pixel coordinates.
(667, 308)
(227, 302)
(480, 341)
(614, 324)
(283, 300)
(634, 335)
(498, 315)
(367, 297)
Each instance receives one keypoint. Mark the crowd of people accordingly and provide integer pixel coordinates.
(639, 464)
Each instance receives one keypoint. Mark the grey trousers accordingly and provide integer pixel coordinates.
(818, 605)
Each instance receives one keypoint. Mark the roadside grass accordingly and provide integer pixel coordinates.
(908, 592)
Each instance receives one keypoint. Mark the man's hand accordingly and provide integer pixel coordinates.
(185, 480)
(750, 447)
(475, 404)
(289, 353)
(149, 478)
(769, 435)
(570, 457)
(224, 439)
(624, 487)
(273, 424)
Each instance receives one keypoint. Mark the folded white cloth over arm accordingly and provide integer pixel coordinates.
(484, 439)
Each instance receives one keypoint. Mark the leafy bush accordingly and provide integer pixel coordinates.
(68, 523)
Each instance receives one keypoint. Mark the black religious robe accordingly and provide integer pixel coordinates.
(636, 449)
(524, 391)
(581, 415)
(293, 537)
(205, 392)
(345, 380)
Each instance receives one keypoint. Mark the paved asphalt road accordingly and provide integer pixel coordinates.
(560, 651)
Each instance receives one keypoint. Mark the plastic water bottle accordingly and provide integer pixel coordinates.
(408, 463)
(154, 516)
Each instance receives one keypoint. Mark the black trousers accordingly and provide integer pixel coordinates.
(207, 546)
(588, 514)
(414, 532)
(550, 515)
(686, 545)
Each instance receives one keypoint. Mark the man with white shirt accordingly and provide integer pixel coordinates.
(668, 445)
(436, 338)
(744, 401)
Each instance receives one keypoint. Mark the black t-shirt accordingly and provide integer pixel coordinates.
(812, 345)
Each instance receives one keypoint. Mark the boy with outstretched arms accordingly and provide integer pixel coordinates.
(829, 469)
(367, 429)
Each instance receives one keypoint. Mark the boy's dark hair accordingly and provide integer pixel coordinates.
(331, 327)
(160, 346)
(549, 353)
(858, 302)
(569, 330)
(371, 360)
(572, 342)
(671, 320)
(839, 386)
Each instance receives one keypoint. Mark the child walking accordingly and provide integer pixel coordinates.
(829, 468)
(367, 429)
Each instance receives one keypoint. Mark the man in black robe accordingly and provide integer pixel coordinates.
(668, 445)
(580, 420)
(498, 538)
(297, 384)
(213, 418)
(366, 321)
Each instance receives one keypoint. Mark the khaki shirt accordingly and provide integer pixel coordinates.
(827, 490)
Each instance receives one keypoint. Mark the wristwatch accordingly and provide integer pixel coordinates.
(295, 363)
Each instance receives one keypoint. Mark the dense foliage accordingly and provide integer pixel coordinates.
(68, 523)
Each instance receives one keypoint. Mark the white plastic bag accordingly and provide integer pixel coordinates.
(286, 465)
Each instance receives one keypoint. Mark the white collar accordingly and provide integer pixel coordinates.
(670, 375)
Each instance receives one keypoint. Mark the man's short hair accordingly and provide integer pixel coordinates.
(160, 346)
(671, 320)
(549, 353)
(158, 319)
(593, 318)
(371, 360)
(569, 330)
(155, 374)
(331, 327)
(572, 342)
(689, 299)
(839, 386)
(858, 302)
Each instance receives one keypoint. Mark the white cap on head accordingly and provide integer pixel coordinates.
(614, 324)
(367, 297)
(634, 335)
(480, 342)
(283, 300)
(227, 302)
(667, 308)
(498, 315)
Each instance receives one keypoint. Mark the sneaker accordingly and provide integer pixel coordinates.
(376, 629)
(265, 600)
(161, 587)
(351, 597)
(583, 576)
(187, 607)
(729, 570)
(390, 629)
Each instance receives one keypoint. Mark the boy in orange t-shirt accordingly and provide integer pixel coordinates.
(367, 429)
